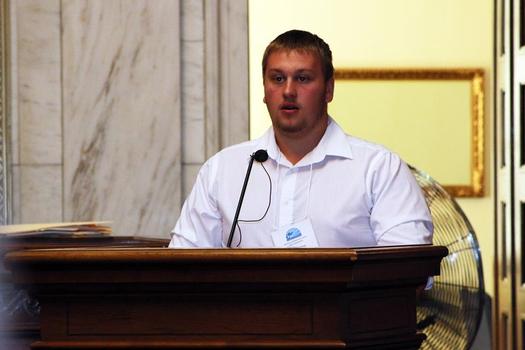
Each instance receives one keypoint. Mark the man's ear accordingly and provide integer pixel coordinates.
(329, 92)
(264, 89)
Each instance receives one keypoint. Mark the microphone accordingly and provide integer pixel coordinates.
(260, 156)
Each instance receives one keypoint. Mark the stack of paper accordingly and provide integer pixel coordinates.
(63, 229)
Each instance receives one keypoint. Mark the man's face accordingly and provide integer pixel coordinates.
(295, 91)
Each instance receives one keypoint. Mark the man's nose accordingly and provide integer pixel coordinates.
(289, 89)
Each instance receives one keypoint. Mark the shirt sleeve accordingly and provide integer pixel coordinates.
(399, 213)
(199, 224)
(414, 232)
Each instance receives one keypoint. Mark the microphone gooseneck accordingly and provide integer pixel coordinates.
(260, 156)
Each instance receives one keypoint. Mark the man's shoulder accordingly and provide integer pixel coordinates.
(227, 158)
(365, 147)
(234, 152)
(238, 148)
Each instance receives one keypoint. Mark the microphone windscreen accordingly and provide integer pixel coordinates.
(260, 156)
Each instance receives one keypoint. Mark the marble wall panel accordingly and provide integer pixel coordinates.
(16, 185)
(41, 193)
(121, 98)
(10, 24)
(193, 90)
(120, 63)
(192, 18)
(212, 77)
(234, 126)
(193, 123)
(35, 131)
(38, 81)
(189, 175)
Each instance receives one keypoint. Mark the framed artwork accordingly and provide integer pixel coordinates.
(433, 118)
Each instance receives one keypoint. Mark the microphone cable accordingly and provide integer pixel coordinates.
(267, 208)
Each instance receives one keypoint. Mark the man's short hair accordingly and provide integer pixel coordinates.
(301, 40)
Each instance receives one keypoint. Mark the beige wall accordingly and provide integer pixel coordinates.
(385, 33)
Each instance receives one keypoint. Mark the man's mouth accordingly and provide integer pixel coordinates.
(289, 107)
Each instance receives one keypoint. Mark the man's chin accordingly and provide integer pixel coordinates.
(289, 128)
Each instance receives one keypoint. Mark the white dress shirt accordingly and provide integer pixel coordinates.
(355, 194)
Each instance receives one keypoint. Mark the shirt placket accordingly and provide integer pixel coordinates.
(286, 202)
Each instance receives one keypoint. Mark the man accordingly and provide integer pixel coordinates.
(319, 187)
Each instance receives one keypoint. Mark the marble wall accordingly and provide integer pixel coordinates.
(116, 104)
(36, 133)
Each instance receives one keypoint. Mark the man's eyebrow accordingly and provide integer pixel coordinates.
(301, 70)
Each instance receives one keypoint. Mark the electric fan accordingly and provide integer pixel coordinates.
(450, 313)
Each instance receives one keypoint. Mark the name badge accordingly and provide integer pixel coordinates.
(297, 235)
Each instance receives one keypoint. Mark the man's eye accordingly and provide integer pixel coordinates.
(303, 78)
(278, 78)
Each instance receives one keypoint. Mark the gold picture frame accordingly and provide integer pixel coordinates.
(440, 110)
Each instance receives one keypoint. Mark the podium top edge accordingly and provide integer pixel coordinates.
(114, 255)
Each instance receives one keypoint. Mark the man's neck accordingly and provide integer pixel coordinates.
(295, 146)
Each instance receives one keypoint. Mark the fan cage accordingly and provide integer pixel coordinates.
(450, 312)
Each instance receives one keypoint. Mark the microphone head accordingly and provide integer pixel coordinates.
(260, 155)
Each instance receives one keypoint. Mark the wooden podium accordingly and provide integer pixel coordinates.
(19, 314)
(157, 298)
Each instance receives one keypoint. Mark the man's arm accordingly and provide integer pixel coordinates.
(399, 213)
(415, 232)
(199, 224)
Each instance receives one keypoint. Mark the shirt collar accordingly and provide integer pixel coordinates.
(333, 143)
